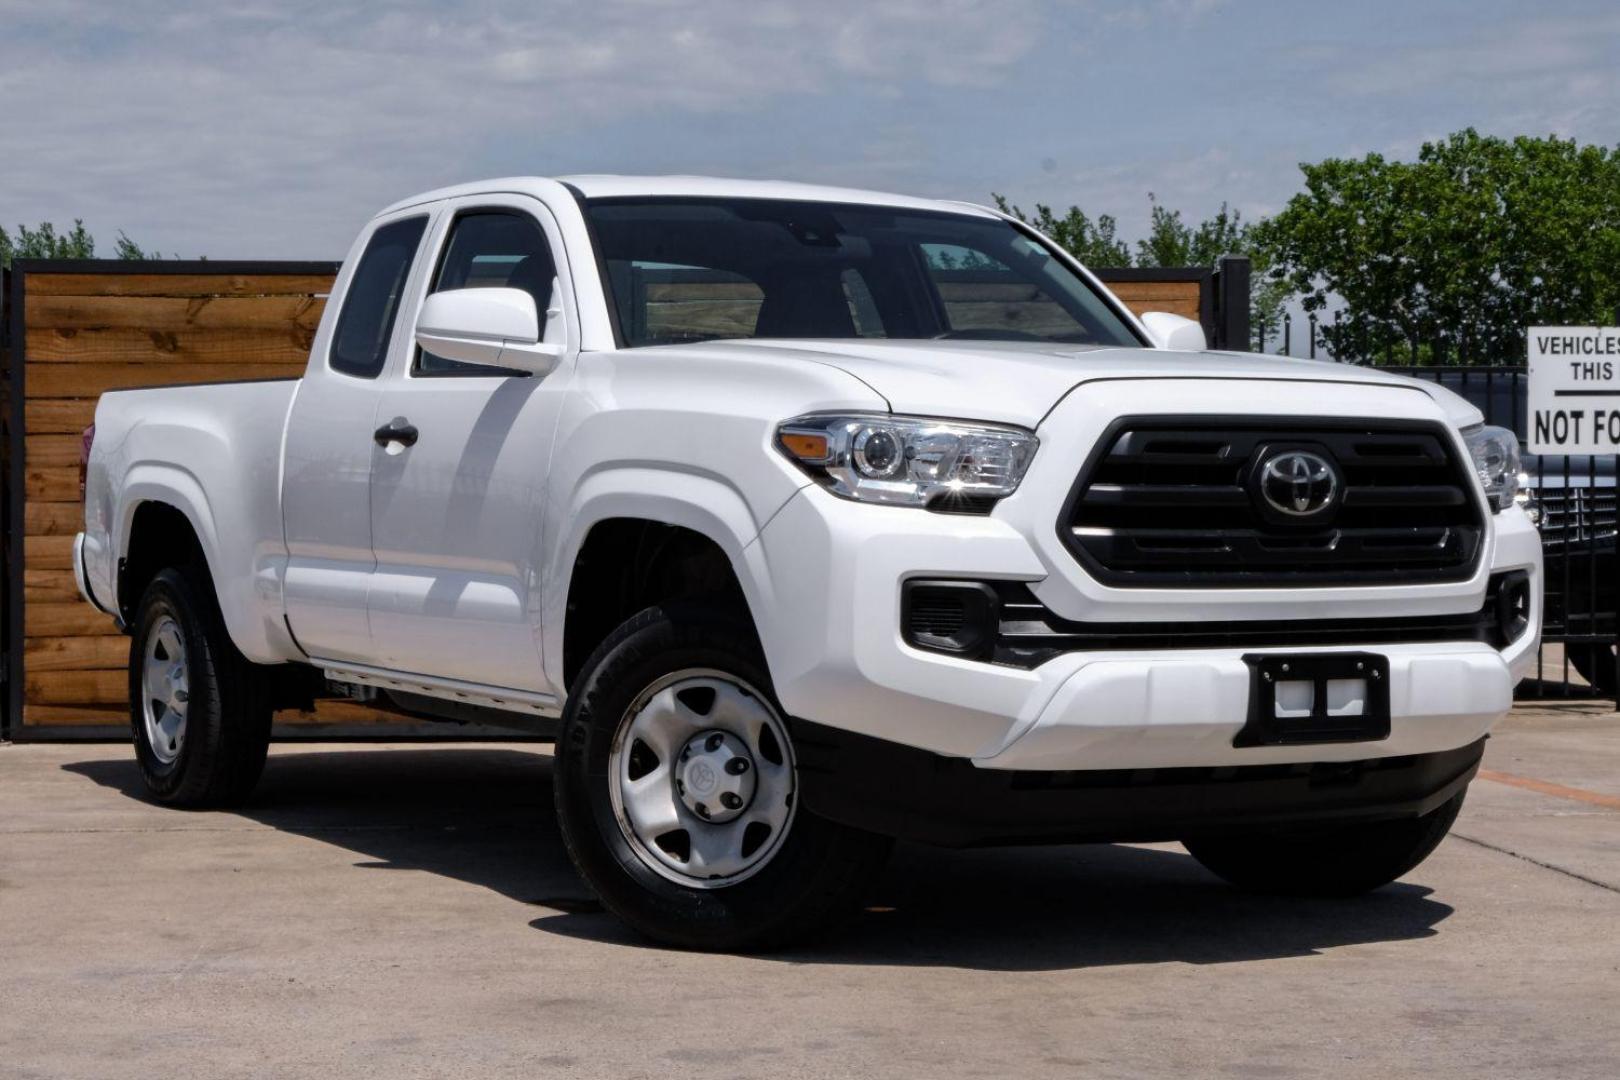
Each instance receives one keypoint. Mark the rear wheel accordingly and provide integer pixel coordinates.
(1330, 860)
(676, 792)
(199, 712)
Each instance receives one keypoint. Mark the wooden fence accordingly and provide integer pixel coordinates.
(78, 329)
(72, 330)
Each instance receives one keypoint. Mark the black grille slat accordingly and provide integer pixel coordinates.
(1169, 502)
(1186, 495)
(1408, 495)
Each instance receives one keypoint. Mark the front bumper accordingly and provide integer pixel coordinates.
(898, 791)
(830, 624)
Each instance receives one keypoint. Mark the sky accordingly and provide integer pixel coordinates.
(260, 129)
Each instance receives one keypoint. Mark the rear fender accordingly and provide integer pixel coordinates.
(246, 575)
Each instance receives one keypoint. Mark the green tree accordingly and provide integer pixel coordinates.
(1171, 241)
(44, 242)
(1448, 258)
(1094, 243)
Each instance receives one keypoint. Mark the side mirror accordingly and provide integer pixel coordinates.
(1174, 332)
(493, 327)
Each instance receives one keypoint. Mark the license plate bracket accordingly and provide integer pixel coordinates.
(1304, 698)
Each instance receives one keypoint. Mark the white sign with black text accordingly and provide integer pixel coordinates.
(1574, 390)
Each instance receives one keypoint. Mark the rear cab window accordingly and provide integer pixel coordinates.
(371, 304)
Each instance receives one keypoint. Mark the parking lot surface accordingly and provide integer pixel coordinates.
(407, 910)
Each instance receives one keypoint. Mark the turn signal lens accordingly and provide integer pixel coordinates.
(808, 447)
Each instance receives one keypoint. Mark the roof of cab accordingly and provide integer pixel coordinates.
(595, 186)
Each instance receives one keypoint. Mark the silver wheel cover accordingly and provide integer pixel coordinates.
(165, 689)
(703, 795)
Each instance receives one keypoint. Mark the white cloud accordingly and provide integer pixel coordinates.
(267, 128)
(274, 129)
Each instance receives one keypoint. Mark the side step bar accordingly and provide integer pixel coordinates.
(526, 702)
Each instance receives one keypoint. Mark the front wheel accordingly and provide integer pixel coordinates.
(677, 791)
(1329, 860)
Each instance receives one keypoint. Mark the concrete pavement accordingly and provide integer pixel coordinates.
(407, 910)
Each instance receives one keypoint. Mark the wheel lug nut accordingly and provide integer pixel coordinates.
(731, 800)
(737, 766)
(714, 742)
(702, 811)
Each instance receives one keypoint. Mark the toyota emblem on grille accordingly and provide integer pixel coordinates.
(1299, 483)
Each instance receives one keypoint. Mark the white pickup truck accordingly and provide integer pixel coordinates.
(806, 518)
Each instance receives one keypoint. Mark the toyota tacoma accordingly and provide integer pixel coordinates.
(803, 519)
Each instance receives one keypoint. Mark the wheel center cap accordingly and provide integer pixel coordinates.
(715, 776)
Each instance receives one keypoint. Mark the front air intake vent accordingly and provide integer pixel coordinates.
(949, 616)
(1257, 502)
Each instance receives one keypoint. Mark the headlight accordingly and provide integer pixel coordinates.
(1496, 458)
(910, 461)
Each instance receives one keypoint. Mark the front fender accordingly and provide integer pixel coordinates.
(705, 503)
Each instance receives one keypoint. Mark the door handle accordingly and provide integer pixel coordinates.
(397, 430)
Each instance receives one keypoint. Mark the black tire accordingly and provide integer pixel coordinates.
(818, 870)
(1337, 860)
(1595, 664)
(227, 713)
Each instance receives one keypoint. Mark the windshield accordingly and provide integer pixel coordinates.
(698, 269)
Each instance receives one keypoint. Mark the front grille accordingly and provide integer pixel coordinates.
(1177, 503)
(1576, 515)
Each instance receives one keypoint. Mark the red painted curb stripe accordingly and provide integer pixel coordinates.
(1557, 791)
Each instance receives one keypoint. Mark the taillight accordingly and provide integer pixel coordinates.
(86, 440)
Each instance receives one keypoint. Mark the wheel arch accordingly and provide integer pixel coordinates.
(165, 519)
(699, 532)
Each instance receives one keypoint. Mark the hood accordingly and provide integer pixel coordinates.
(1015, 382)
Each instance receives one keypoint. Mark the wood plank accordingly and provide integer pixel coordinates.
(76, 715)
(1156, 290)
(338, 711)
(80, 380)
(58, 415)
(52, 518)
(117, 715)
(48, 552)
(75, 687)
(49, 587)
(178, 284)
(52, 485)
(66, 619)
(1174, 307)
(172, 312)
(76, 654)
(131, 346)
(54, 450)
